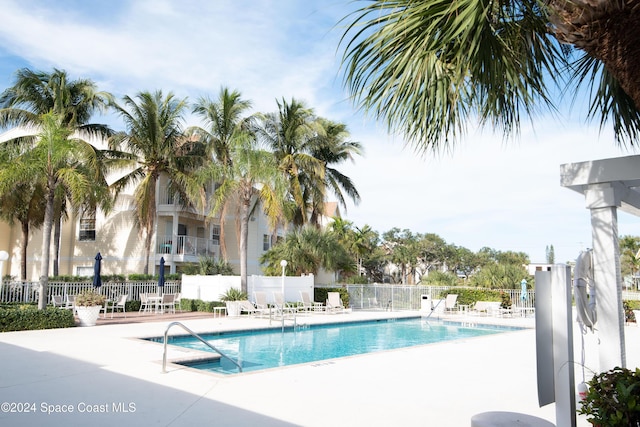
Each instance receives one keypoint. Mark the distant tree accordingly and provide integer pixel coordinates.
(499, 276)
(551, 256)
(464, 261)
(630, 256)
(402, 251)
(511, 257)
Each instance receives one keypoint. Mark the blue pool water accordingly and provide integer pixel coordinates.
(264, 349)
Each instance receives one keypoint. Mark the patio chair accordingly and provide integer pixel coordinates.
(177, 301)
(57, 301)
(70, 303)
(168, 302)
(334, 303)
(144, 303)
(451, 303)
(120, 303)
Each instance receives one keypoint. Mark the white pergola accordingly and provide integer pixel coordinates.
(607, 185)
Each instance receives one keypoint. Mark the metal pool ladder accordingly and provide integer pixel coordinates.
(193, 334)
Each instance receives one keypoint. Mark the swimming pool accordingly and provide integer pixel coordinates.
(265, 349)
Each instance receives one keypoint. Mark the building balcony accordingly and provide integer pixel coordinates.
(186, 248)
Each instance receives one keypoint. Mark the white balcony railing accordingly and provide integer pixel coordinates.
(187, 246)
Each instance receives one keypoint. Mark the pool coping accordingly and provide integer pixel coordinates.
(200, 356)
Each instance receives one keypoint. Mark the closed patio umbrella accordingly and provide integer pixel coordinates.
(523, 291)
(161, 276)
(97, 280)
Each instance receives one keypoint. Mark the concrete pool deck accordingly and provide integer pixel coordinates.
(106, 376)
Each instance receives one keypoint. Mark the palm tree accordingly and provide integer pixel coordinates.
(157, 144)
(24, 205)
(289, 135)
(307, 249)
(251, 179)
(54, 159)
(307, 148)
(332, 147)
(428, 67)
(224, 119)
(36, 93)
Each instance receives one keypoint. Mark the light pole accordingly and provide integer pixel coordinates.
(283, 263)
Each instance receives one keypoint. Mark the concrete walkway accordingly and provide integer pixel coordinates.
(105, 376)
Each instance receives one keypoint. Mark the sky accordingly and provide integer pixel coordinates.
(484, 192)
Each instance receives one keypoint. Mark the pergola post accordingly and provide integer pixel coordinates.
(603, 200)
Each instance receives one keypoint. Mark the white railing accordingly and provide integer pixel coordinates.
(26, 292)
(187, 245)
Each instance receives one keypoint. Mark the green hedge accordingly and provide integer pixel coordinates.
(471, 296)
(199, 305)
(27, 317)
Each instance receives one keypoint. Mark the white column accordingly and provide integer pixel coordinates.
(603, 201)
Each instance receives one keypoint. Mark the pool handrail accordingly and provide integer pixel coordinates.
(164, 353)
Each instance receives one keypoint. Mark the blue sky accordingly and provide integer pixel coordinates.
(485, 192)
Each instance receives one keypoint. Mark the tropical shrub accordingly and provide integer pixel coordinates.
(439, 278)
(90, 298)
(234, 294)
(613, 399)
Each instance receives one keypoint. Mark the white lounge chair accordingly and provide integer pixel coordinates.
(261, 303)
(487, 308)
(247, 306)
(308, 305)
(334, 303)
(451, 303)
(282, 308)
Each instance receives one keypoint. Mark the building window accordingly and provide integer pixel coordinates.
(266, 242)
(215, 234)
(87, 231)
(84, 271)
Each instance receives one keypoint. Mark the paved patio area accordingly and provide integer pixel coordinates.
(103, 376)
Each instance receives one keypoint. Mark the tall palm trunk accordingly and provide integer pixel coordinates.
(607, 31)
(23, 249)
(222, 235)
(46, 245)
(244, 237)
(57, 227)
(150, 224)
